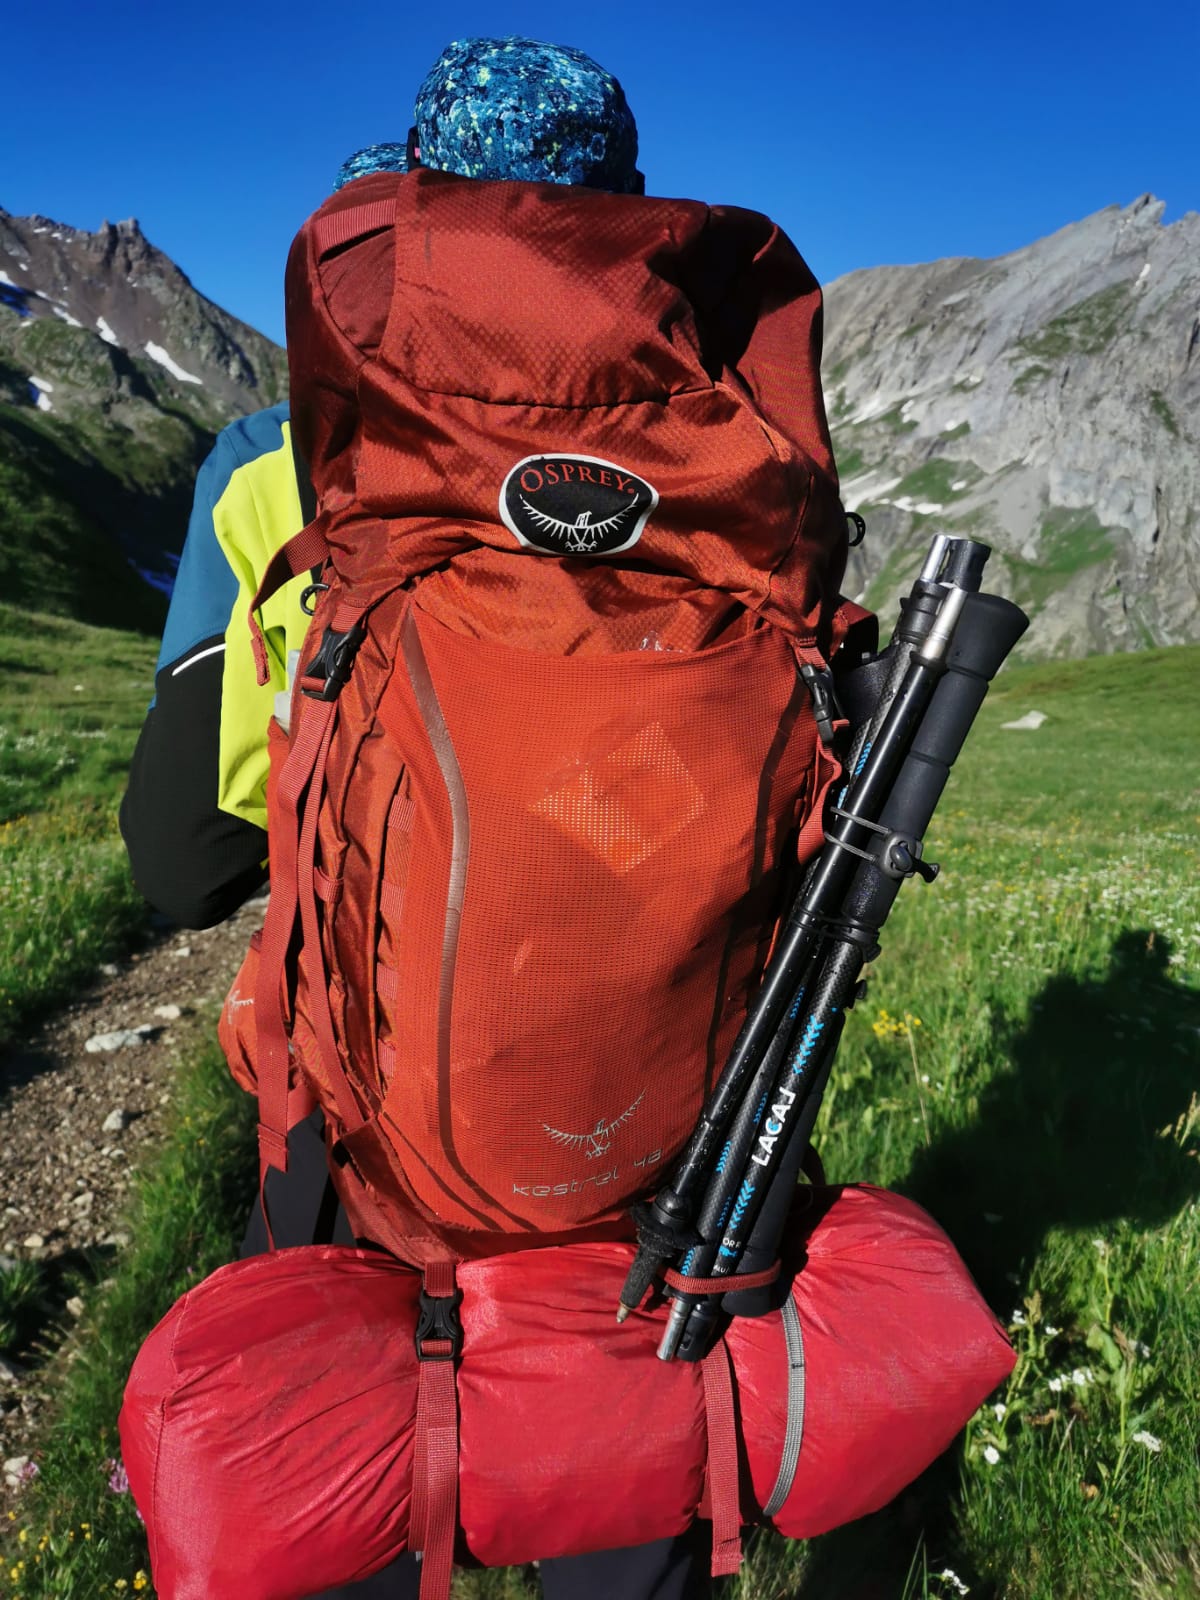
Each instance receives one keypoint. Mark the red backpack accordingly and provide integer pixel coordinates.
(550, 755)
(550, 761)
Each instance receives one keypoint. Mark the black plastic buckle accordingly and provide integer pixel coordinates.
(439, 1323)
(333, 661)
(819, 682)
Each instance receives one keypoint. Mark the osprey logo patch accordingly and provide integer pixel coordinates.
(599, 1141)
(575, 505)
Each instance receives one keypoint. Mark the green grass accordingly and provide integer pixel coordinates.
(896, 421)
(1070, 541)
(1025, 1065)
(898, 569)
(1162, 410)
(77, 1535)
(1087, 328)
(72, 698)
(935, 479)
(1030, 377)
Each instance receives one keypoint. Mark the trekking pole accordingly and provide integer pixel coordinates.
(953, 567)
(731, 1240)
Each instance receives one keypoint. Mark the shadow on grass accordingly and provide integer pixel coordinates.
(1076, 1135)
(34, 1297)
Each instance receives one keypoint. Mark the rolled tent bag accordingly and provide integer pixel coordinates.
(269, 1420)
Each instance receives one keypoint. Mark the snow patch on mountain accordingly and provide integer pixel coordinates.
(157, 353)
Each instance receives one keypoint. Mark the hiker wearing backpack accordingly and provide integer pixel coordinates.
(550, 753)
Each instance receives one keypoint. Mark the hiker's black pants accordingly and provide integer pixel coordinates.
(304, 1210)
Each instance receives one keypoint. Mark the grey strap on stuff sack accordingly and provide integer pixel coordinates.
(794, 1434)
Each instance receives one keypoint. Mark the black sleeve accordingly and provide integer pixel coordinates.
(192, 861)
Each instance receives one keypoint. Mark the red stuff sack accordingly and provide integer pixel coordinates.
(269, 1422)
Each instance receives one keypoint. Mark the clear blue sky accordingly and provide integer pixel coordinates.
(875, 132)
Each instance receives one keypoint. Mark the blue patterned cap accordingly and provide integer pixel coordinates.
(375, 158)
(514, 108)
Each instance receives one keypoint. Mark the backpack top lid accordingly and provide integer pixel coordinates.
(445, 332)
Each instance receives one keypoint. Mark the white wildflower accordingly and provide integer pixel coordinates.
(947, 1575)
(991, 1455)
(1081, 1377)
(1056, 1385)
(1143, 1350)
(1152, 1444)
(1000, 1411)
(1017, 1320)
(1052, 1333)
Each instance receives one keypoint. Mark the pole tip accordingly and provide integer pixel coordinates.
(622, 1313)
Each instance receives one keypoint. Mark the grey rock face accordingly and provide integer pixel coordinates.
(115, 376)
(1047, 402)
(116, 285)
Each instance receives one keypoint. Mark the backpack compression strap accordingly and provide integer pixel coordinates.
(722, 1472)
(293, 847)
(433, 1508)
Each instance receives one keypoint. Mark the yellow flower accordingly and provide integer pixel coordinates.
(140, 1580)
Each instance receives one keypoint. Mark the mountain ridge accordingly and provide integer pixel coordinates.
(116, 374)
(1044, 401)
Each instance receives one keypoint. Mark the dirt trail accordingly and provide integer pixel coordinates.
(74, 1122)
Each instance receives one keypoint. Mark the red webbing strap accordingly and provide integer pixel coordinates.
(433, 1510)
(727, 1285)
(724, 1494)
(311, 951)
(337, 228)
(302, 552)
(270, 1002)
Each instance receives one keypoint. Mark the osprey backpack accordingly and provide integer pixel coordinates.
(551, 756)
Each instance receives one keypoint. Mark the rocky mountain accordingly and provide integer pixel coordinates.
(115, 375)
(1047, 402)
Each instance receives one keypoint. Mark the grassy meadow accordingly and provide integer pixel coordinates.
(72, 698)
(1026, 1065)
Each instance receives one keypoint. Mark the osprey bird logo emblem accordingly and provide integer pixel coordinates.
(575, 505)
(599, 1140)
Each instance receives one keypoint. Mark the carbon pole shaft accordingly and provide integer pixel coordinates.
(743, 1191)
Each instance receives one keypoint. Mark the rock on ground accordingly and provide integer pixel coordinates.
(76, 1119)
